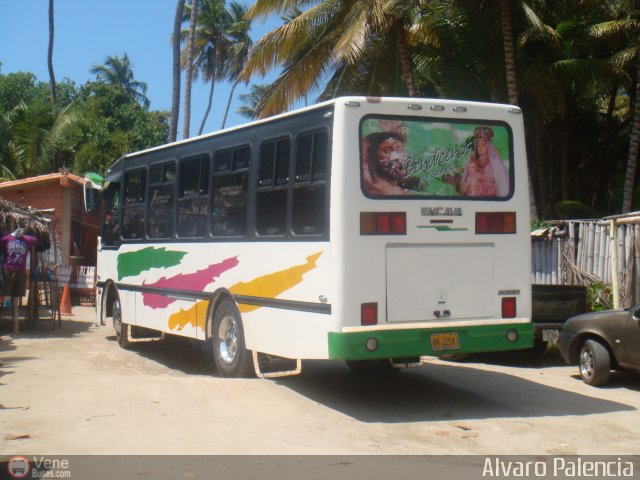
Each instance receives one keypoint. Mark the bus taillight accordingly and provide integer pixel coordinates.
(383, 223)
(509, 307)
(369, 314)
(495, 222)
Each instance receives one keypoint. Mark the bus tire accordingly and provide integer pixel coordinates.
(122, 329)
(371, 367)
(230, 354)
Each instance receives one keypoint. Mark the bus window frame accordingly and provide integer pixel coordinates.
(162, 183)
(213, 173)
(144, 167)
(326, 181)
(273, 187)
(208, 154)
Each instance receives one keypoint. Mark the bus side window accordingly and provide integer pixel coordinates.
(309, 194)
(193, 206)
(271, 202)
(162, 183)
(230, 192)
(133, 207)
(111, 220)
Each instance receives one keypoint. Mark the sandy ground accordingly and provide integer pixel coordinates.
(73, 390)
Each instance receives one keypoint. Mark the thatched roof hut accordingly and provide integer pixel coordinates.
(14, 216)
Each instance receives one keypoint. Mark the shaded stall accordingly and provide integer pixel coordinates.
(42, 288)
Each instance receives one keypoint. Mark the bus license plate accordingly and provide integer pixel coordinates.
(444, 341)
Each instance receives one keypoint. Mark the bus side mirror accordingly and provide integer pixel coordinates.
(92, 198)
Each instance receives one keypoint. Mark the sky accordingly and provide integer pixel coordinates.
(88, 31)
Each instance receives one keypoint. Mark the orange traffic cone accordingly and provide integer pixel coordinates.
(65, 301)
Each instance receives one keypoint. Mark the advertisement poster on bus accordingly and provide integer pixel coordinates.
(435, 159)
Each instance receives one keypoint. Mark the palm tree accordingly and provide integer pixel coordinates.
(52, 77)
(634, 146)
(623, 33)
(175, 90)
(35, 135)
(189, 68)
(118, 71)
(211, 47)
(328, 39)
(251, 101)
(238, 34)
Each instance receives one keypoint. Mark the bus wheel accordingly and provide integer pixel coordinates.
(122, 329)
(230, 354)
(370, 367)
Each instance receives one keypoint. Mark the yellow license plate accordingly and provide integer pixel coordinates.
(444, 341)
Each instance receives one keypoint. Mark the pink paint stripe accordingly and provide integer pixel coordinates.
(190, 281)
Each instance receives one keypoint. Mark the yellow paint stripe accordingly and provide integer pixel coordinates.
(196, 316)
(273, 284)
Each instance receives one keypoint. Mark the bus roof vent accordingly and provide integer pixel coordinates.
(515, 110)
(414, 106)
(437, 108)
(351, 103)
(459, 109)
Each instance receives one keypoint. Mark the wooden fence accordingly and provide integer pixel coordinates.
(579, 252)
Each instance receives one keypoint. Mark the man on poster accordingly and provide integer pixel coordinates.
(16, 246)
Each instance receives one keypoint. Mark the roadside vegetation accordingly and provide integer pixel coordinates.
(573, 68)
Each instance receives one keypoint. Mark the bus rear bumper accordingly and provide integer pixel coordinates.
(429, 341)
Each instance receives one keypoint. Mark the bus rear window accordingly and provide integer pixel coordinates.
(428, 158)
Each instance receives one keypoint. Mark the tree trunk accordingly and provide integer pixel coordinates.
(52, 77)
(206, 112)
(602, 157)
(175, 90)
(405, 61)
(564, 160)
(226, 112)
(189, 73)
(634, 145)
(538, 168)
(509, 57)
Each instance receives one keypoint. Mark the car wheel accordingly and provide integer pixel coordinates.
(370, 367)
(230, 353)
(595, 363)
(121, 328)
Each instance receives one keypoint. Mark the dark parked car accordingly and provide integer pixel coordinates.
(601, 341)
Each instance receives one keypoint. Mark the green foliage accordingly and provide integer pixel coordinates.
(33, 134)
(23, 87)
(539, 223)
(599, 297)
(571, 209)
(113, 123)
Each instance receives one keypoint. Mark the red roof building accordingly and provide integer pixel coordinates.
(76, 231)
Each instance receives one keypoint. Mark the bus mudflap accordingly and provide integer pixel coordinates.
(272, 366)
(142, 334)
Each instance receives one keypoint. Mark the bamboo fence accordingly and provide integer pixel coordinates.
(579, 252)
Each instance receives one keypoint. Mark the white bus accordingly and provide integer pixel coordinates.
(372, 230)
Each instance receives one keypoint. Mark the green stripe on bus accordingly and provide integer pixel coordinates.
(417, 342)
(134, 263)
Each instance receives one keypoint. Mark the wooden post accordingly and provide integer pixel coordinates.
(613, 249)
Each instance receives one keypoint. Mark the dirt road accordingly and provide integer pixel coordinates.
(74, 391)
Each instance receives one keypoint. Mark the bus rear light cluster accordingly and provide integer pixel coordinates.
(495, 222)
(383, 223)
(509, 307)
(369, 314)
